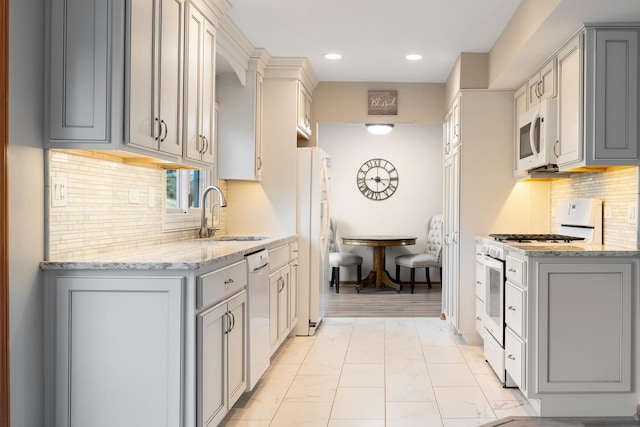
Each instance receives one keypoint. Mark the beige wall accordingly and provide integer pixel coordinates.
(345, 102)
(471, 71)
(508, 50)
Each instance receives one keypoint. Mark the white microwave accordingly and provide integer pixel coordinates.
(537, 136)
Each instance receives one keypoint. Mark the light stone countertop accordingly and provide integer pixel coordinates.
(186, 255)
(564, 249)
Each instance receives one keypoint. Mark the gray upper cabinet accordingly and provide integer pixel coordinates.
(85, 73)
(598, 98)
(200, 99)
(117, 78)
(155, 74)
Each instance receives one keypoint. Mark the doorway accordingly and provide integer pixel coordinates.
(415, 150)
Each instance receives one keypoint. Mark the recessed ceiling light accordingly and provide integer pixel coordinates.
(332, 56)
(413, 57)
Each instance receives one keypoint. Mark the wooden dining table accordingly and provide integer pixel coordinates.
(379, 275)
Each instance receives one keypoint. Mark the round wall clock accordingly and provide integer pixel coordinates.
(377, 179)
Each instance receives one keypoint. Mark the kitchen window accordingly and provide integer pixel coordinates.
(182, 198)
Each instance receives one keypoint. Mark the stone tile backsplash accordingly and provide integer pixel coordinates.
(101, 214)
(618, 190)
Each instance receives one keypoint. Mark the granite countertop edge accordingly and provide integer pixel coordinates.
(184, 255)
(568, 250)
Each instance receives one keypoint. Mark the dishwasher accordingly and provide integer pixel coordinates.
(259, 350)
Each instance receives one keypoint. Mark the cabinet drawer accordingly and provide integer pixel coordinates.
(514, 313)
(481, 286)
(219, 284)
(278, 258)
(480, 317)
(514, 363)
(515, 270)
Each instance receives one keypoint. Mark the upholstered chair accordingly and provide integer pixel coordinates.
(338, 259)
(430, 258)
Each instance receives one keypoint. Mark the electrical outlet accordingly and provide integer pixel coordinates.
(134, 196)
(608, 214)
(58, 191)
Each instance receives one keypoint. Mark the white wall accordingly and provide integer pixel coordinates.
(26, 210)
(416, 152)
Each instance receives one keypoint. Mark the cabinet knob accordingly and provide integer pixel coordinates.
(511, 270)
(478, 282)
(511, 308)
(228, 281)
(511, 356)
(478, 318)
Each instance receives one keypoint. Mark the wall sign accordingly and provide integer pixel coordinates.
(382, 103)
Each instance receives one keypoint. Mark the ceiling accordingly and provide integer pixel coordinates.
(373, 38)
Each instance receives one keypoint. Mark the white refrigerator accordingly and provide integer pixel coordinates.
(313, 218)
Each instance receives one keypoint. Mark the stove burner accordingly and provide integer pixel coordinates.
(534, 237)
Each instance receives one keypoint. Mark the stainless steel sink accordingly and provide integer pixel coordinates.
(240, 238)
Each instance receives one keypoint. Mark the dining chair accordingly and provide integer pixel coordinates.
(430, 258)
(338, 259)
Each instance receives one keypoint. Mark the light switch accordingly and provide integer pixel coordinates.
(58, 191)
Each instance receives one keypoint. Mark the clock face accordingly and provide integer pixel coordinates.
(377, 179)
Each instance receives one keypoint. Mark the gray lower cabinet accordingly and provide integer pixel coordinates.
(138, 348)
(114, 350)
(221, 354)
(569, 339)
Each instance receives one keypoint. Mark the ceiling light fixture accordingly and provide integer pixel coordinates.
(379, 128)
(413, 57)
(332, 56)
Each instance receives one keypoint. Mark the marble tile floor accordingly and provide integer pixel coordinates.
(393, 372)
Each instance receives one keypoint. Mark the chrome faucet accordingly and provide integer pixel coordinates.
(204, 230)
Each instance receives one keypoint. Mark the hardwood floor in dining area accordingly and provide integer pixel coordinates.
(384, 302)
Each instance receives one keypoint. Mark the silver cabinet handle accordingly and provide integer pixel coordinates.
(233, 321)
(153, 134)
(478, 318)
(478, 282)
(554, 148)
(511, 356)
(511, 308)
(163, 123)
(205, 146)
(511, 270)
(259, 163)
(228, 329)
(227, 281)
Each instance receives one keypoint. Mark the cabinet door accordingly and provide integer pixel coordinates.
(86, 74)
(283, 305)
(520, 103)
(155, 85)
(258, 126)
(170, 77)
(451, 253)
(304, 112)
(200, 87)
(293, 294)
(144, 120)
(455, 122)
(542, 85)
(212, 364)
(579, 350)
(274, 286)
(611, 131)
(237, 345)
(570, 147)
(116, 339)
